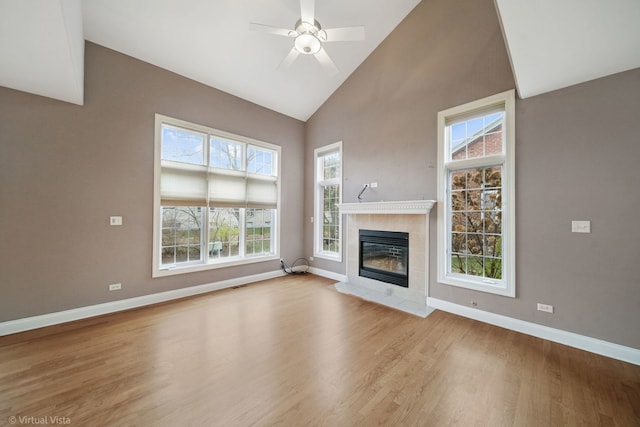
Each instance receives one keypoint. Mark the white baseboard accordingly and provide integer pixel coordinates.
(328, 274)
(35, 322)
(593, 345)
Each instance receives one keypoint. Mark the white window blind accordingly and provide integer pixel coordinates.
(188, 184)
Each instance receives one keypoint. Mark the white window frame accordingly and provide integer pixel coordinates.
(507, 285)
(318, 208)
(159, 270)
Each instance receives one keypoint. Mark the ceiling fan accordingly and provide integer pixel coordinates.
(308, 37)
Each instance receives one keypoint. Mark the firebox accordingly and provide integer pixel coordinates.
(384, 256)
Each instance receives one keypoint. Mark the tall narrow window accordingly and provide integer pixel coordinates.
(476, 231)
(216, 198)
(328, 194)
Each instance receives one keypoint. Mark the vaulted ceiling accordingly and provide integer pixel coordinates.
(551, 44)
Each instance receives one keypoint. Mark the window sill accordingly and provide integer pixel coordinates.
(171, 271)
(328, 257)
(499, 287)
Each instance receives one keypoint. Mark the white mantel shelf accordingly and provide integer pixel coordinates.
(417, 207)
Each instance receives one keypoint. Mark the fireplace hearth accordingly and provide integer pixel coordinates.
(384, 256)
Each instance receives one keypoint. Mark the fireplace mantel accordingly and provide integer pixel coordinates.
(419, 207)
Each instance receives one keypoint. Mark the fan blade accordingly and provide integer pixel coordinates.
(271, 30)
(307, 11)
(323, 58)
(344, 34)
(288, 60)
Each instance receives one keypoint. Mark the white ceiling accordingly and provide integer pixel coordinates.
(42, 49)
(552, 44)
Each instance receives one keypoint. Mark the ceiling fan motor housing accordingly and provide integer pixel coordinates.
(309, 37)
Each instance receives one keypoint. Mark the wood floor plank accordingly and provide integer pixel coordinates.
(293, 351)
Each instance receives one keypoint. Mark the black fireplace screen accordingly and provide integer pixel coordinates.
(384, 256)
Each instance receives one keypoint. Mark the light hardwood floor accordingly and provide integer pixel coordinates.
(295, 352)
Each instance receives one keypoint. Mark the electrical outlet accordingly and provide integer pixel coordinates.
(115, 286)
(115, 220)
(545, 307)
(374, 185)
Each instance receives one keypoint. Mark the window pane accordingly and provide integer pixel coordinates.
(194, 252)
(331, 218)
(459, 222)
(493, 246)
(225, 154)
(259, 231)
(458, 180)
(492, 222)
(181, 233)
(492, 199)
(474, 222)
(182, 146)
(493, 268)
(182, 254)
(474, 244)
(493, 177)
(474, 199)
(459, 131)
(168, 236)
(459, 264)
(259, 161)
(331, 166)
(476, 137)
(474, 178)
(168, 255)
(474, 126)
(493, 143)
(475, 266)
(224, 232)
(458, 243)
(458, 200)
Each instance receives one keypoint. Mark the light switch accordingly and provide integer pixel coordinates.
(115, 220)
(581, 226)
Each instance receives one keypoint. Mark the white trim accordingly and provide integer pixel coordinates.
(418, 207)
(582, 342)
(35, 322)
(328, 274)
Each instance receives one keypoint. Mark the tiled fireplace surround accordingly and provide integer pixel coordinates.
(407, 216)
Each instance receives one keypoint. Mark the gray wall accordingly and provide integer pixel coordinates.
(64, 169)
(577, 151)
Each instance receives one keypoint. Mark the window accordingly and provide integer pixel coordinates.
(216, 198)
(328, 194)
(476, 195)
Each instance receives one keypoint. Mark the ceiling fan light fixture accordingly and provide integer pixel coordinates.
(309, 36)
(307, 44)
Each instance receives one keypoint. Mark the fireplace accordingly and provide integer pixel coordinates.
(384, 256)
(412, 219)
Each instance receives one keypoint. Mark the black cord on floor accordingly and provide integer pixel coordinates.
(302, 267)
